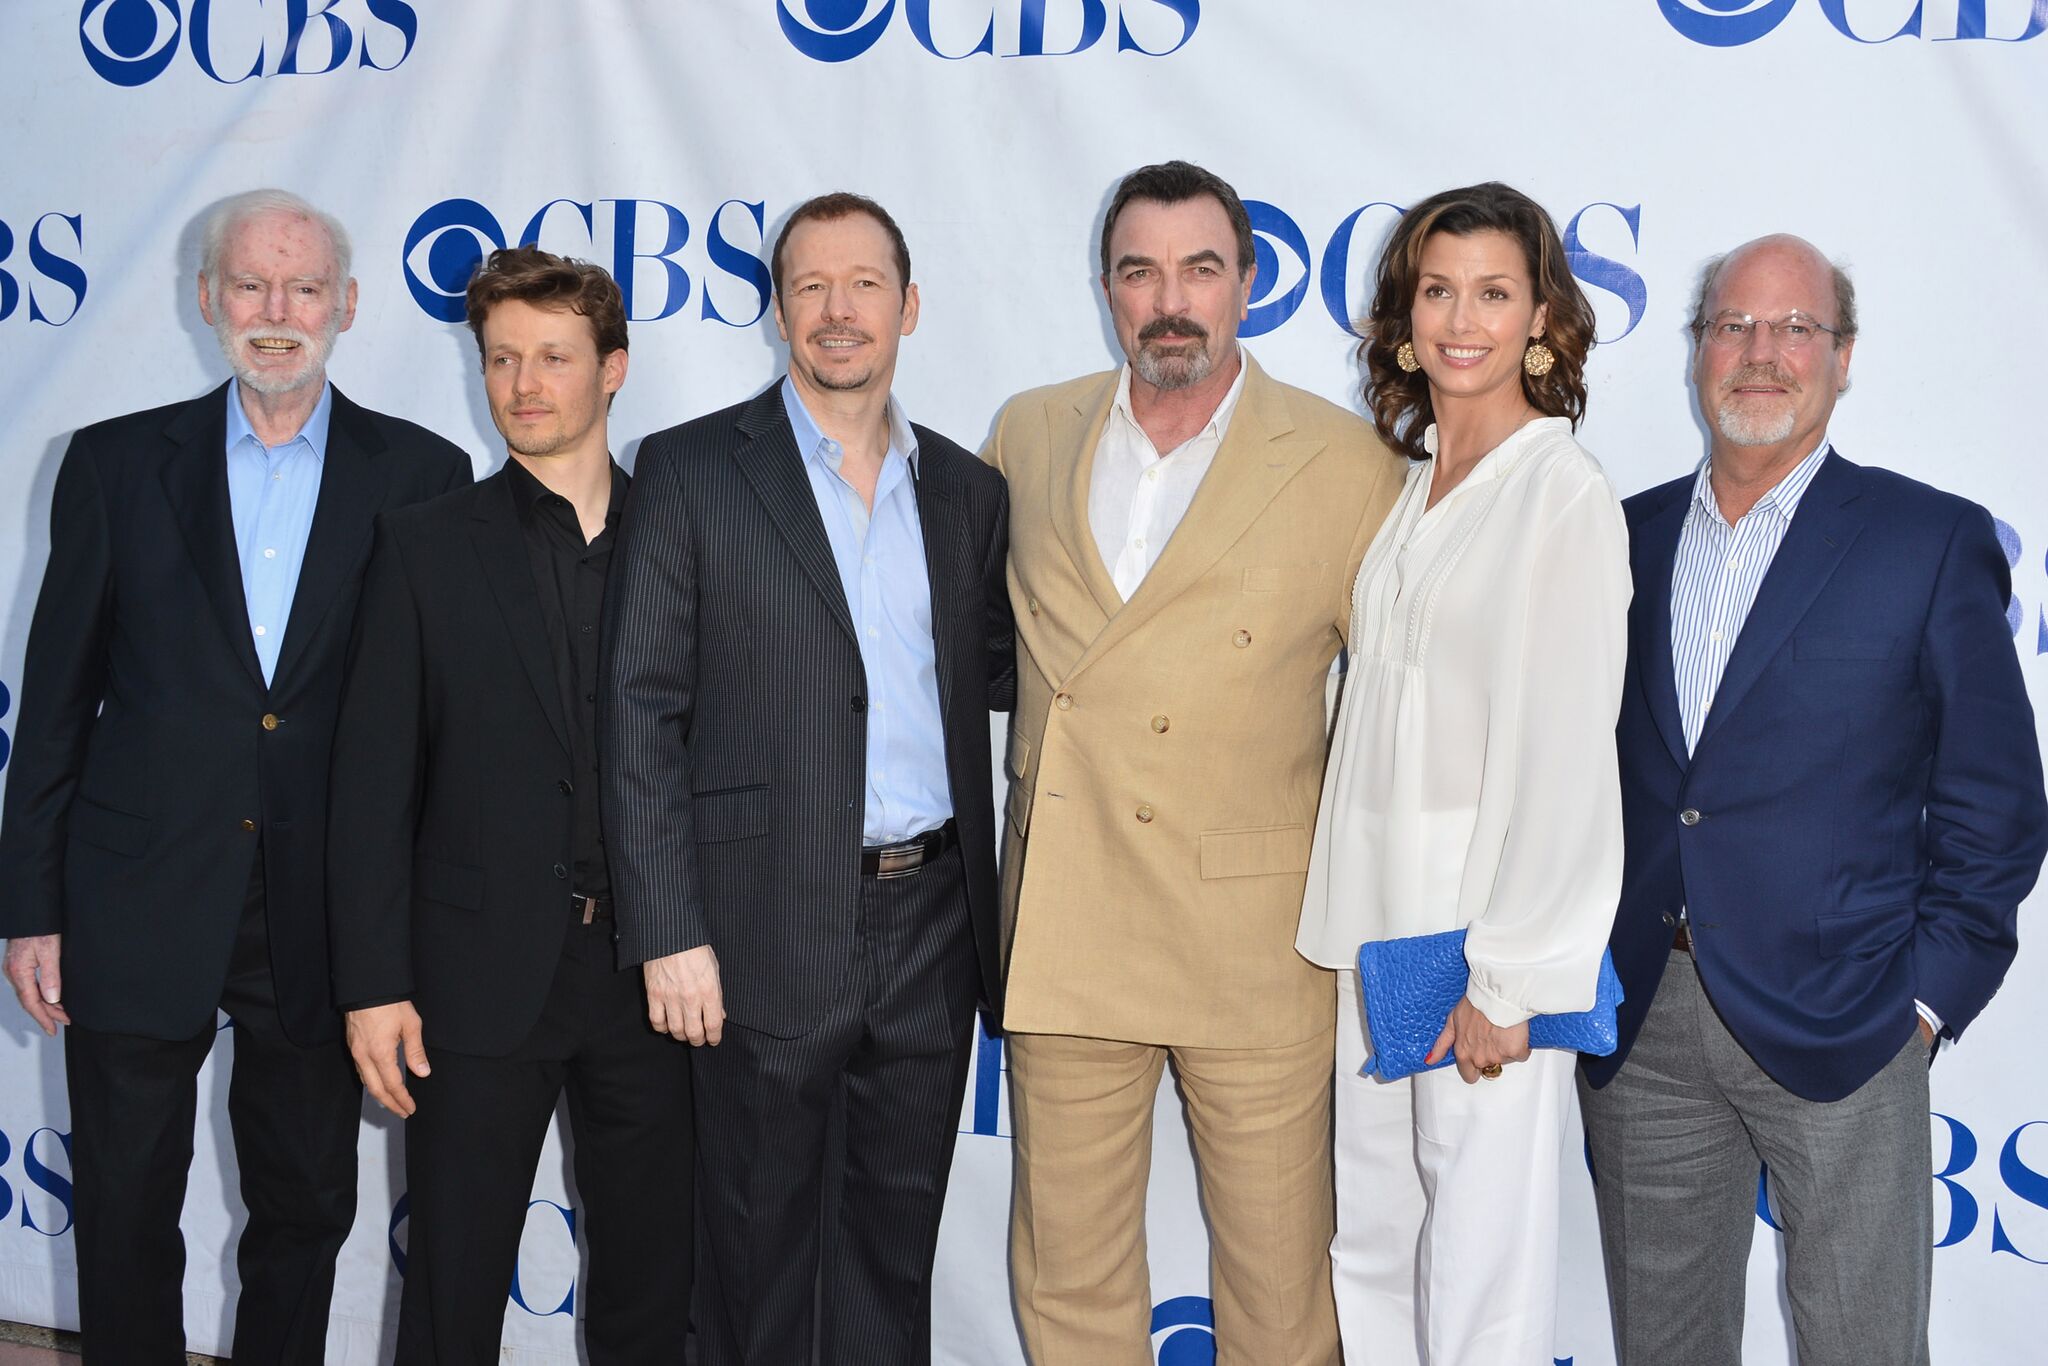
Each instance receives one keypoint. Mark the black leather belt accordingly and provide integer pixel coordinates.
(905, 858)
(589, 908)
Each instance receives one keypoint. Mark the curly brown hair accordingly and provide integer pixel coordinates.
(1398, 399)
(546, 280)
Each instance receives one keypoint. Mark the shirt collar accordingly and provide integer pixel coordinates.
(812, 443)
(1219, 421)
(527, 491)
(1783, 499)
(314, 433)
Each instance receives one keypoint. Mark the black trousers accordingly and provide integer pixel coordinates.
(472, 1146)
(894, 1050)
(294, 1114)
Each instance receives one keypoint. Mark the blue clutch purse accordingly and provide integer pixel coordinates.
(1409, 986)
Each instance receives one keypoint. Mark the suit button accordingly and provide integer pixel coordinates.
(1159, 725)
(248, 824)
(1242, 639)
(270, 720)
(860, 704)
(1670, 919)
(1144, 815)
(560, 871)
(1689, 816)
(568, 788)
(1064, 701)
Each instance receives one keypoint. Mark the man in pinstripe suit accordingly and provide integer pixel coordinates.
(806, 628)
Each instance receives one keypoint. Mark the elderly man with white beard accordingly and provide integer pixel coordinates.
(162, 856)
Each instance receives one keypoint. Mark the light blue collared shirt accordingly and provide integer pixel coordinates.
(272, 491)
(881, 562)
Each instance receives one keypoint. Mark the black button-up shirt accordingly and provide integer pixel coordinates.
(569, 575)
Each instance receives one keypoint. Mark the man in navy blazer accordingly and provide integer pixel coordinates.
(1833, 806)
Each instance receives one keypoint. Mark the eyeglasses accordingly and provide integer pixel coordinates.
(1793, 331)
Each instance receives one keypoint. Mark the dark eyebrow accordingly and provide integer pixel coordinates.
(1128, 259)
(1207, 256)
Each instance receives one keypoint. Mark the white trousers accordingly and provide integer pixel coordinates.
(1447, 1196)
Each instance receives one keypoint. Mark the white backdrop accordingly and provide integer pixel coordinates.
(665, 140)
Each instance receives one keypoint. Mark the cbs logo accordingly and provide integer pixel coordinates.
(642, 238)
(840, 30)
(132, 42)
(1732, 23)
(55, 249)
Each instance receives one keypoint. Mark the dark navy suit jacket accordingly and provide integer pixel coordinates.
(1863, 812)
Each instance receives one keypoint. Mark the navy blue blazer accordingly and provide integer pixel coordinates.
(1863, 812)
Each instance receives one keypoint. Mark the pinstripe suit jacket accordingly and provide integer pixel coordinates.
(733, 707)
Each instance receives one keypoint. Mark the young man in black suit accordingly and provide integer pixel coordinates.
(162, 852)
(472, 916)
(807, 628)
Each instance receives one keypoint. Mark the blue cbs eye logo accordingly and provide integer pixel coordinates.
(457, 234)
(1731, 23)
(1271, 305)
(833, 30)
(1725, 23)
(130, 42)
(1184, 1331)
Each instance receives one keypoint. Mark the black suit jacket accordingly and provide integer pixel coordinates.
(450, 825)
(733, 717)
(145, 772)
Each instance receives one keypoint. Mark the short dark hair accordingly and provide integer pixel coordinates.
(546, 280)
(1176, 182)
(829, 208)
(1399, 399)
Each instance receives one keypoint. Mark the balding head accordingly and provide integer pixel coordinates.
(1781, 252)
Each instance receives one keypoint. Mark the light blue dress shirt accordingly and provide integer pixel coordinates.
(882, 568)
(272, 491)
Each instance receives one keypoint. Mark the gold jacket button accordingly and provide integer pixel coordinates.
(1159, 724)
(270, 720)
(1032, 605)
(1064, 701)
(1144, 815)
(248, 824)
(1241, 639)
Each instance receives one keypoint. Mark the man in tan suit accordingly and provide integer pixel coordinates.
(1184, 533)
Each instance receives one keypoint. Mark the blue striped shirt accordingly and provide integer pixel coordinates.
(1715, 578)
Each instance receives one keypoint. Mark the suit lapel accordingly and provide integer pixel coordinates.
(1256, 460)
(1656, 554)
(352, 479)
(770, 461)
(195, 480)
(939, 517)
(1075, 429)
(500, 543)
(1822, 530)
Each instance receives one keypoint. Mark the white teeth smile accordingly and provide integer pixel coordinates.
(838, 345)
(274, 345)
(1465, 352)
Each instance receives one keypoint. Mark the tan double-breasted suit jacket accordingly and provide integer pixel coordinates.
(1166, 753)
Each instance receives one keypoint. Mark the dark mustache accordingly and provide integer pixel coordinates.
(1184, 327)
(1761, 374)
(825, 334)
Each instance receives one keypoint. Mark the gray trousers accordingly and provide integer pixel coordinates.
(1676, 1137)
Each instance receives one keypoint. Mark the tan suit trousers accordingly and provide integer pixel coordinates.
(1082, 1114)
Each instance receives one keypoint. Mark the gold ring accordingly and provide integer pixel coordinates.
(1490, 1071)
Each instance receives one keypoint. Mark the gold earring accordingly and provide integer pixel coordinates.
(1537, 360)
(1405, 358)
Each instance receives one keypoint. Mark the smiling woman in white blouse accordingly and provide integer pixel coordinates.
(1472, 780)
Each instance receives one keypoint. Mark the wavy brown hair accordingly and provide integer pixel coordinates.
(1398, 400)
(545, 280)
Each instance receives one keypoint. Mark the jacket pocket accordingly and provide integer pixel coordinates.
(1870, 933)
(1250, 853)
(730, 813)
(1843, 647)
(103, 827)
(451, 884)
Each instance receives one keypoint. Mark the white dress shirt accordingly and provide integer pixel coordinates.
(1472, 781)
(1136, 496)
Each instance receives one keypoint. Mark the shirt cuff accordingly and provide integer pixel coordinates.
(1933, 1020)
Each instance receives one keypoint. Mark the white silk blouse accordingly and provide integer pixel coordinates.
(1472, 778)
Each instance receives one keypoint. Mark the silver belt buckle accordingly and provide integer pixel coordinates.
(899, 860)
(586, 904)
